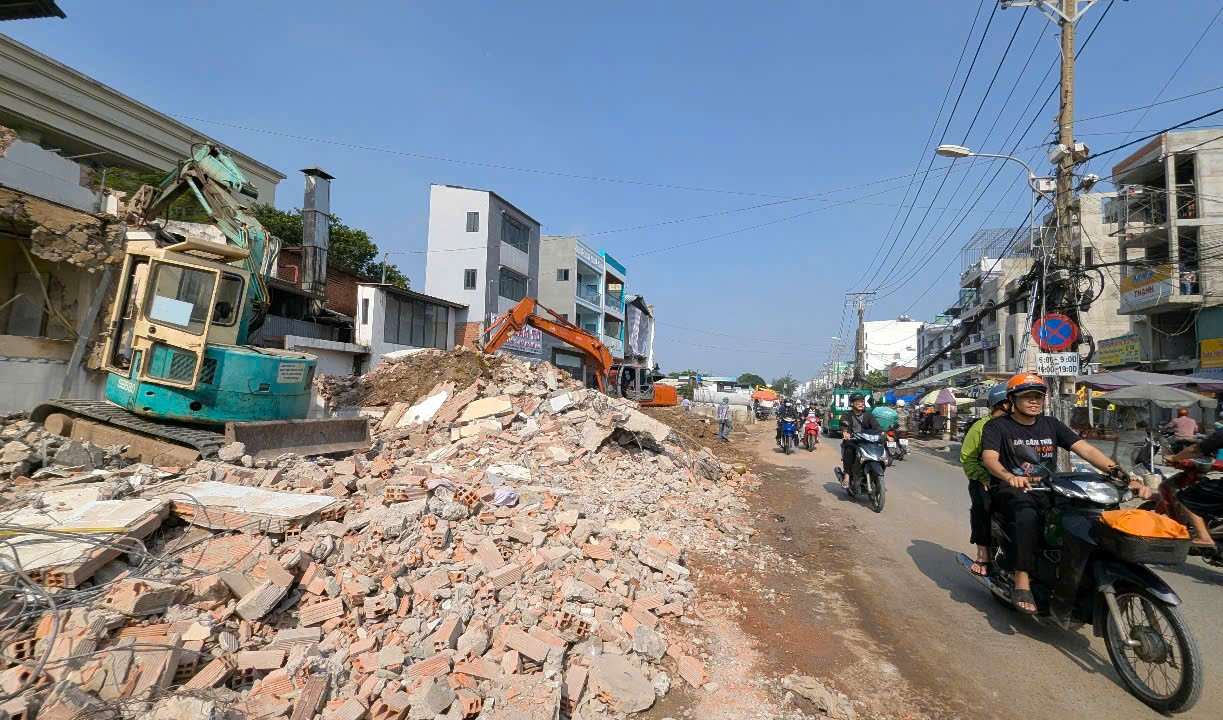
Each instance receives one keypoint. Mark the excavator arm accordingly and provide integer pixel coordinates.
(213, 178)
(523, 315)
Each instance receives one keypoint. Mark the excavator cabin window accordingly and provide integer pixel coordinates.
(180, 297)
(229, 300)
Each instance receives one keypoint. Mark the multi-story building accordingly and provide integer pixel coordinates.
(484, 253)
(932, 338)
(1169, 217)
(891, 343)
(586, 287)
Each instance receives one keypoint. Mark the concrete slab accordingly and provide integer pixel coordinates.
(222, 506)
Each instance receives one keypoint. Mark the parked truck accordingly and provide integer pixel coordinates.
(839, 406)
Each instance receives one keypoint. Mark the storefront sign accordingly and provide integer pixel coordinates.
(1055, 364)
(1145, 287)
(1122, 350)
(1212, 353)
(528, 340)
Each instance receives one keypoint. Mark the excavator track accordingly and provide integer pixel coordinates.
(100, 421)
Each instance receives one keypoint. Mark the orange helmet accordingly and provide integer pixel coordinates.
(1025, 382)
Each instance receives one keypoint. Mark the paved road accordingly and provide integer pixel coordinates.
(949, 629)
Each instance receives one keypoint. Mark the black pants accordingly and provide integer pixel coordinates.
(847, 454)
(978, 514)
(1204, 499)
(1022, 514)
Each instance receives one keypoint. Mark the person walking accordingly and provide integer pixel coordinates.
(724, 420)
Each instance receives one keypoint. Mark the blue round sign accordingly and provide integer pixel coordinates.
(1055, 332)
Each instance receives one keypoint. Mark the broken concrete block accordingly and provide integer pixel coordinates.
(649, 643)
(231, 452)
(623, 684)
(486, 408)
(142, 597)
(260, 601)
(430, 699)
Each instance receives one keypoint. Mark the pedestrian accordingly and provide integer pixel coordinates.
(724, 420)
(686, 404)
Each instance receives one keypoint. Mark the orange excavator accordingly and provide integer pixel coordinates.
(619, 380)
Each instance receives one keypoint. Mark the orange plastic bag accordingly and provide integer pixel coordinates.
(1144, 523)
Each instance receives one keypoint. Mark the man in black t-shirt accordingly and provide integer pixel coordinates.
(1010, 472)
(857, 420)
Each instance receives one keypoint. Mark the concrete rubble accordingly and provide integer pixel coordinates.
(510, 548)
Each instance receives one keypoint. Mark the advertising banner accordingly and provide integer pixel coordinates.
(1145, 287)
(1212, 353)
(1122, 350)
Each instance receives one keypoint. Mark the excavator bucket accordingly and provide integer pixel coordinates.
(322, 436)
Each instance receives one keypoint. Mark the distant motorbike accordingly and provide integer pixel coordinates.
(897, 444)
(1088, 572)
(811, 434)
(866, 471)
(1190, 472)
(789, 435)
(1156, 447)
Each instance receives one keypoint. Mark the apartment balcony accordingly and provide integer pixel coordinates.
(980, 341)
(614, 303)
(614, 345)
(1159, 289)
(590, 296)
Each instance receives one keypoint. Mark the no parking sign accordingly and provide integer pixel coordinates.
(1055, 332)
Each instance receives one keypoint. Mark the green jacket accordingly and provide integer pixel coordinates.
(970, 453)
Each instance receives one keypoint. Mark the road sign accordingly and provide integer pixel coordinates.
(1055, 332)
(1058, 364)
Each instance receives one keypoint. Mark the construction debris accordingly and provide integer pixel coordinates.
(512, 546)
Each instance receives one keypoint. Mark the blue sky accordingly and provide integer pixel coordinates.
(683, 109)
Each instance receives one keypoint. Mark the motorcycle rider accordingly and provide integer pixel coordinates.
(978, 479)
(786, 412)
(1183, 426)
(1206, 496)
(1027, 425)
(857, 420)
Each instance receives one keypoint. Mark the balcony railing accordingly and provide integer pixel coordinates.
(614, 301)
(590, 295)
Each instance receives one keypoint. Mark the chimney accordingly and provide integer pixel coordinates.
(316, 236)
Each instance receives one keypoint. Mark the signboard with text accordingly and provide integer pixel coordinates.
(1057, 364)
(1212, 353)
(1145, 287)
(1122, 350)
(528, 340)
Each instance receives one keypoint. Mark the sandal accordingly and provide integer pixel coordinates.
(1024, 597)
(980, 568)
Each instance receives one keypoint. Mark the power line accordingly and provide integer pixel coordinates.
(1144, 138)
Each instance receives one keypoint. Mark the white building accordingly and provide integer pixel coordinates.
(390, 319)
(891, 342)
(484, 254)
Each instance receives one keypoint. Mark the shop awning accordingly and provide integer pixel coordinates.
(942, 378)
(1128, 378)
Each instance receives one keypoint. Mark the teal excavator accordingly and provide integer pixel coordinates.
(181, 378)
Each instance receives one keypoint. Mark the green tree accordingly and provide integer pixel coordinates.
(876, 379)
(186, 208)
(351, 248)
(750, 379)
(786, 385)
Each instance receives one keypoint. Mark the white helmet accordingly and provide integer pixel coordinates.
(900, 403)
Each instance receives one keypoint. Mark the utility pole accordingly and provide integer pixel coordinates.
(860, 299)
(1058, 291)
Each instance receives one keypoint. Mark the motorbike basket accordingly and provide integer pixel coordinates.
(1144, 537)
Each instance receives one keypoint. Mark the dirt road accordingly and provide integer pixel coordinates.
(882, 611)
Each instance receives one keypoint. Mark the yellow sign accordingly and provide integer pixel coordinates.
(1146, 286)
(1119, 351)
(1212, 353)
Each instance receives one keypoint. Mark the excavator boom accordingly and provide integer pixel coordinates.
(523, 315)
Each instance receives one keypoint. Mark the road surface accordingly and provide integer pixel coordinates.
(944, 631)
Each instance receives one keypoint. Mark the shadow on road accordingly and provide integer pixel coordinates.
(939, 564)
(1196, 570)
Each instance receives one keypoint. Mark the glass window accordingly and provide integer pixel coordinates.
(469, 279)
(390, 321)
(562, 275)
(180, 296)
(442, 332)
(405, 323)
(514, 233)
(365, 311)
(511, 285)
(229, 299)
(418, 323)
(473, 221)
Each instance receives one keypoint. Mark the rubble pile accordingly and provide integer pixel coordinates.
(408, 376)
(510, 548)
(26, 448)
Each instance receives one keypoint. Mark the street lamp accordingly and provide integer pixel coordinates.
(957, 152)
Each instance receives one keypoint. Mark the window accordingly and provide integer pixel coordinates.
(1088, 256)
(565, 317)
(562, 275)
(473, 221)
(511, 285)
(1010, 347)
(416, 322)
(180, 297)
(514, 233)
(229, 299)
(469, 279)
(365, 311)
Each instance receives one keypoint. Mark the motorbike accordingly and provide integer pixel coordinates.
(789, 435)
(1190, 472)
(811, 434)
(1089, 573)
(866, 472)
(897, 444)
(1152, 449)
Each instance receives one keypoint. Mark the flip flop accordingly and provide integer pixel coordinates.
(1025, 597)
(983, 565)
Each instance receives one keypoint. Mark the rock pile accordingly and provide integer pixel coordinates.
(510, 548)
(25, 447)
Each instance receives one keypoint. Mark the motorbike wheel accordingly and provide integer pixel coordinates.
(1166, 657)
(877, 491)
(785, 444)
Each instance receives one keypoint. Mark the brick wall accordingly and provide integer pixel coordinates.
(466, 334)
(341, 284)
